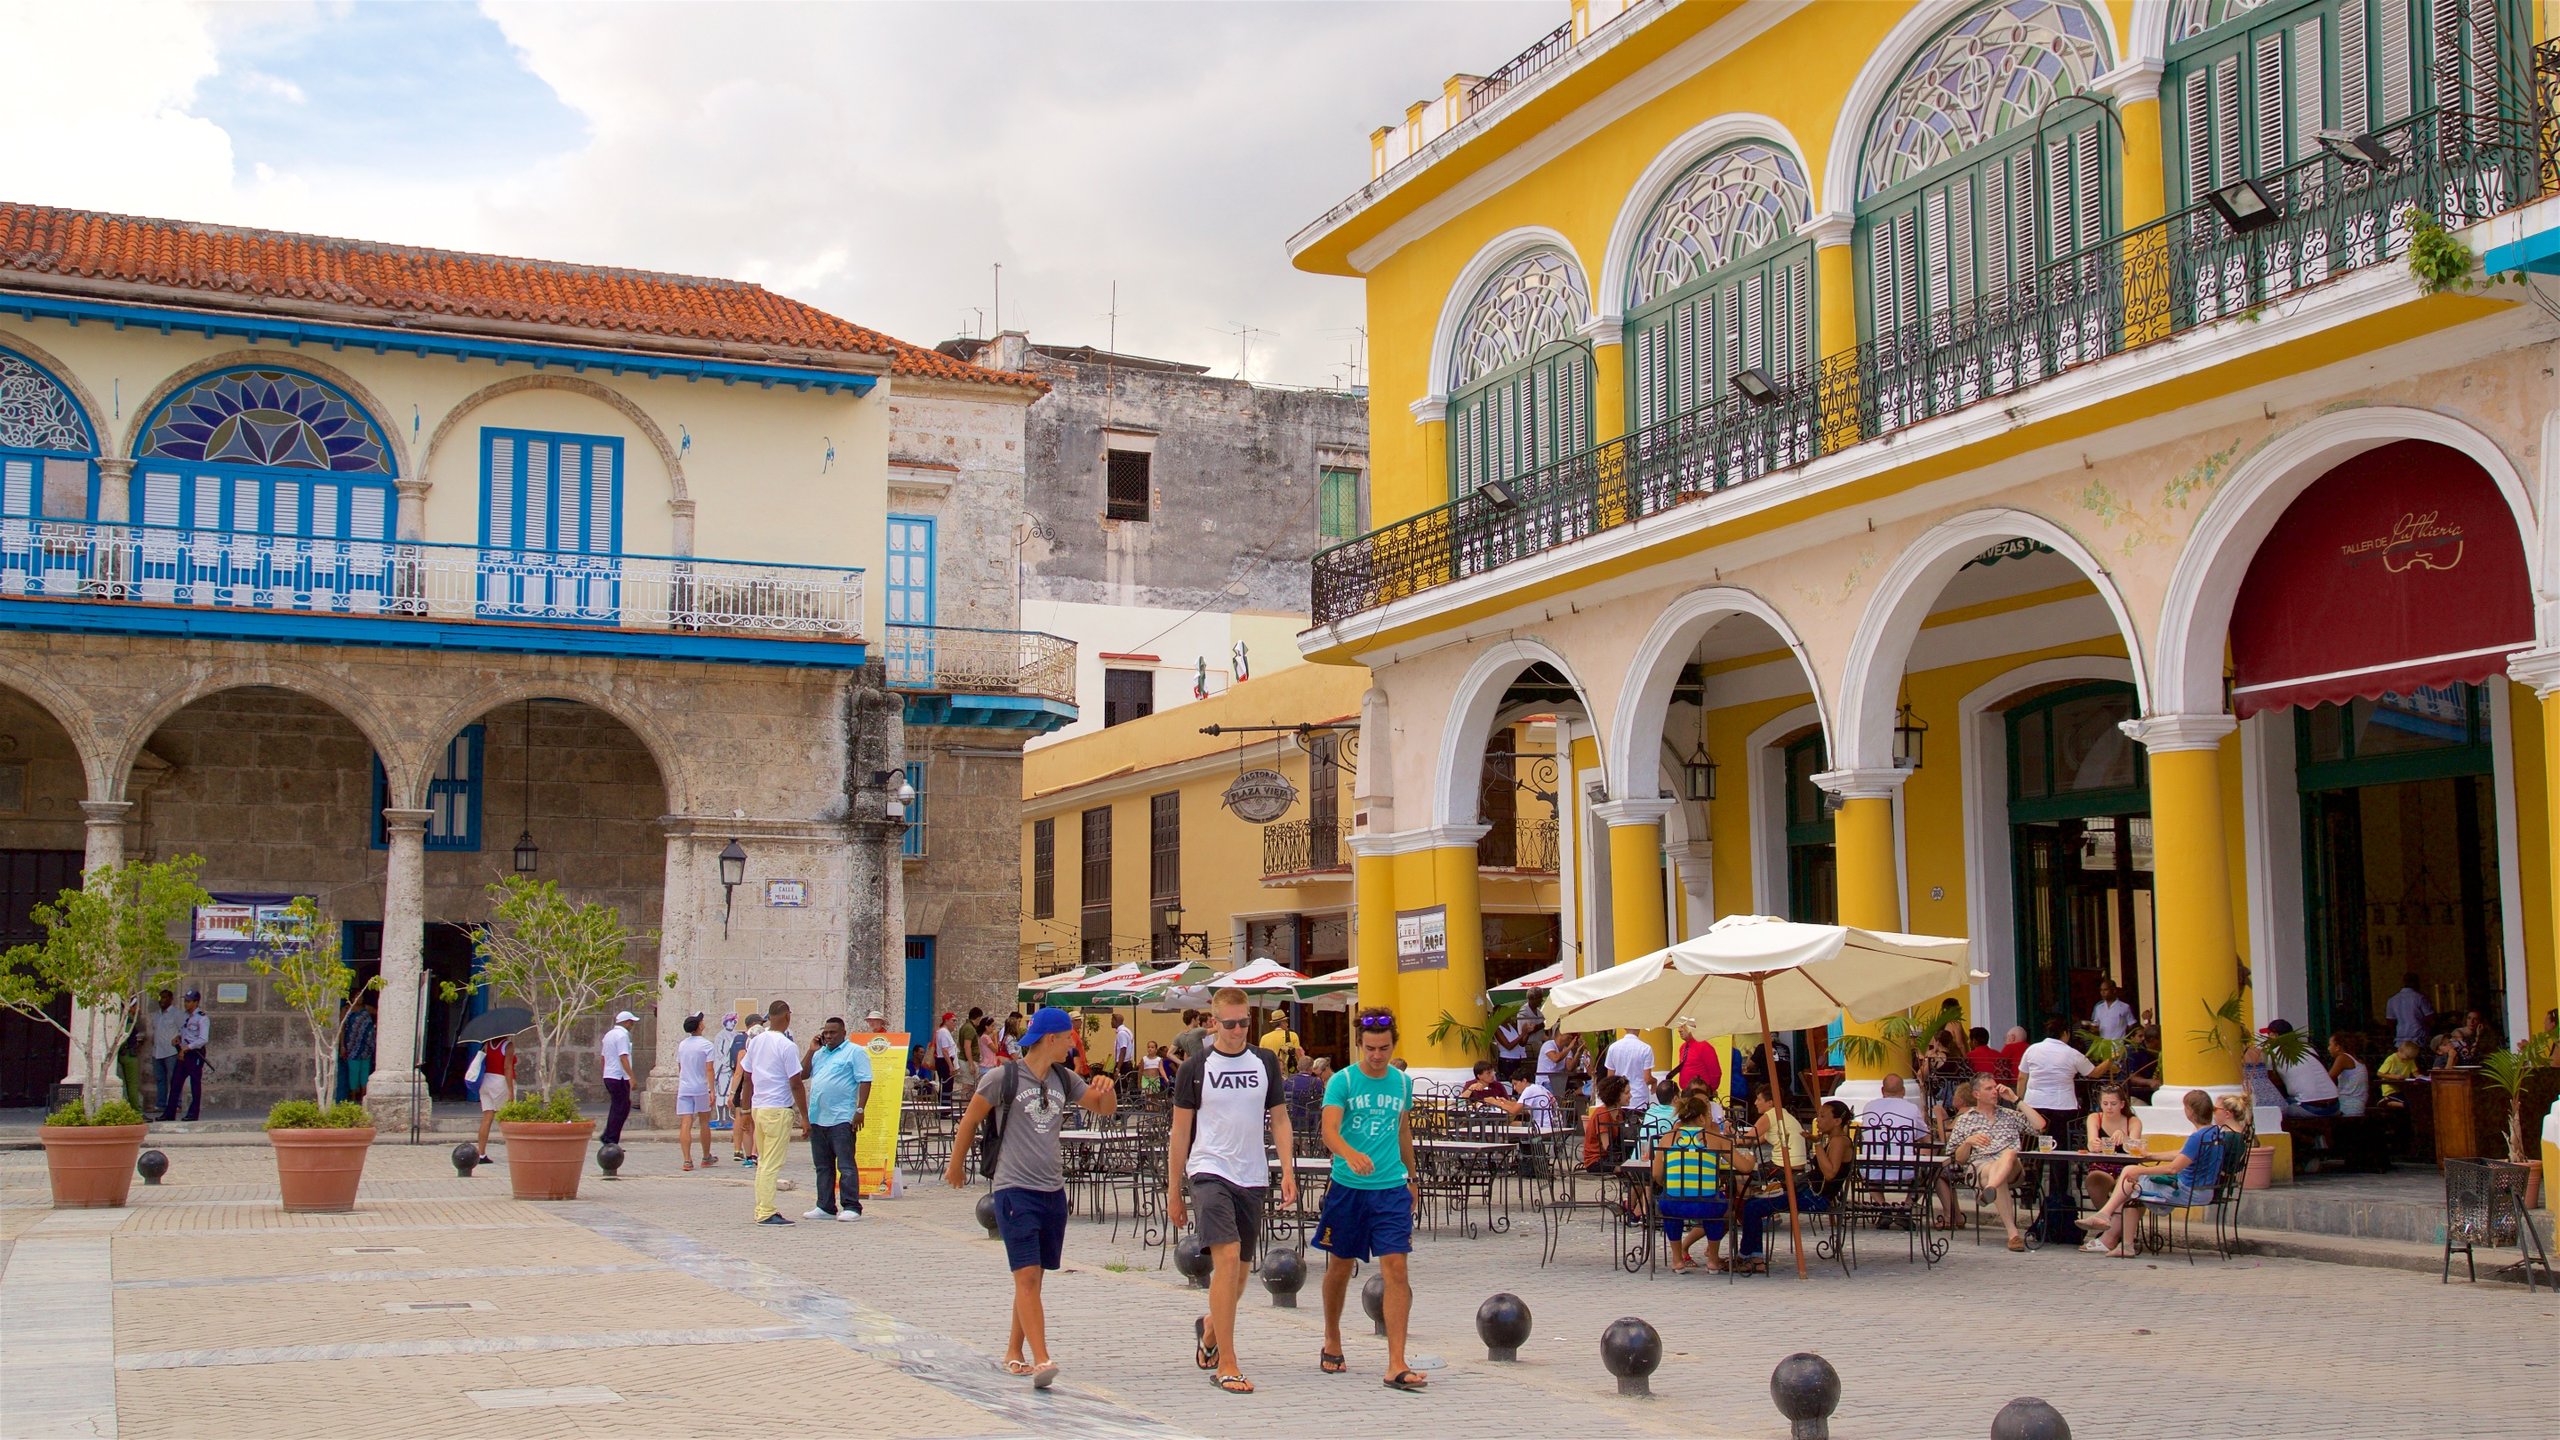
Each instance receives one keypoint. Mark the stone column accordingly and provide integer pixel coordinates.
(115, 491)
(2541, 670)
(409, 526)
(2191, 891)
(1870, 880)
(1431, 413)
(397, 1093)
(680, 527)
(1458, 989)
(104, 851)
(675, 955)
(1835, 313)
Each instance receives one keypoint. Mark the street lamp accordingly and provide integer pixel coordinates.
(733, 873)
(528, 854)
(1197, 942)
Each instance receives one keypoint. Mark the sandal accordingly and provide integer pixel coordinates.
(1017, 1367)
(1204, 1351)
(1330, 1363)
(1232, 1384)
(1044, 1375)
(1409, 1380)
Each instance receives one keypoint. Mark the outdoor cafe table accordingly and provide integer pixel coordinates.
(2060, 1205)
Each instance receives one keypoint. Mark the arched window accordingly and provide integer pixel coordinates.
(46, 445)
(264, 451)
(1720, 282)
(1956, 203)
(1520, 379)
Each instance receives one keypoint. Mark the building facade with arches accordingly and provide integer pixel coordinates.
(377, 574)
(2029, 494)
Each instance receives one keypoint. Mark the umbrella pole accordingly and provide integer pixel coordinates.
(1769, 1061)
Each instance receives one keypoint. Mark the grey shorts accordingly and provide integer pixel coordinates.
(693, 1104)
(1226, 1213)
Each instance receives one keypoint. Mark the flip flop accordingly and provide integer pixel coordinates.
(1409, 1380)
(1330, 1363)
(1204, 1351)
(1017, 1367)
(1232, 1384)
(1045, 1376)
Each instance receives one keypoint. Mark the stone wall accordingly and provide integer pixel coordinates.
(967, 890)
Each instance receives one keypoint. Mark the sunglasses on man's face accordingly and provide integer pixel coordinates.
(1237, 1023)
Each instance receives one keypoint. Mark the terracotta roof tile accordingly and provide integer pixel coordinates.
(254, 265)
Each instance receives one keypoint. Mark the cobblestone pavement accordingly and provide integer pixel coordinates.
(651, 1307)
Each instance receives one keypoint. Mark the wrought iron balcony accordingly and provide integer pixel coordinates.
(144, 565)
(2190, 269)
(955, 660)
(1306, 847)
(1527, 846)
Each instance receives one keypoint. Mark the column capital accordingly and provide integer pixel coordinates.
(2135, 82)
(1407, 842)
(1430, 409)
(411, 485)
(1605, 329)
(1831, 227)
(406, 822)
(115, 468)
(2537, 668)
(2162, 733)
(106, 812)
(1643, 810)
(1874, 782)
(1695, 852)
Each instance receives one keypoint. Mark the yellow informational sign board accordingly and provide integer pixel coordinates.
(875, 1145)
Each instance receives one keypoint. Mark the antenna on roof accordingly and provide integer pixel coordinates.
(1244, 347)
(999, 269)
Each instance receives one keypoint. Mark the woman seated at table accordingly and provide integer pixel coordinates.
(1600, 1127)
(1982, 1152)
(2113, 1130)
(1773, 1126)
(1946, 1065)
(1832, 1150)
(2184, 1178)
(2347, 1071)
(1689, 1174)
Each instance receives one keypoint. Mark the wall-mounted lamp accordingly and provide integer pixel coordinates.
(733, 873)
(2365, 149)
(1909, 730)
(1197, 942)
(2245, 205)
(1755, 387)
(1496, 493)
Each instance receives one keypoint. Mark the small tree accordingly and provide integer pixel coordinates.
(2511, 1071)
(301, 952)
(1906, 1034)
(107, 945)
(564, 961)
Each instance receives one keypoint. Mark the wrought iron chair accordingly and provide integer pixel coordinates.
(2161, 1215)
(1889, 1187)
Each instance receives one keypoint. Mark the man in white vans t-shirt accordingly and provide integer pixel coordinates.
(1224, 1099)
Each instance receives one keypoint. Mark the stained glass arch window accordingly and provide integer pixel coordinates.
(2192, 18)
(1740, 200)
(266, 419)
(1990, 72)
(37, 413)
(1530, 303)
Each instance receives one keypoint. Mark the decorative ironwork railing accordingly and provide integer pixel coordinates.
(1526, 845)
(2336, 214)
(1517, 71)
(1305, 847)
(982, 662)
(229, 570)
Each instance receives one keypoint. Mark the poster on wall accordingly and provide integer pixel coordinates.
(875, 1145)
(227, 929)
(1422, 939)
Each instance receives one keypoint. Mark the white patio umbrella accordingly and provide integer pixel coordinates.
(1757, 972)
(1041, 990)
(1536, 982)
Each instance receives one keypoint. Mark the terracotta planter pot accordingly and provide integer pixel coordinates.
(319, 1170)
(544, 1159)
(2261, 1173)
(91, 1166)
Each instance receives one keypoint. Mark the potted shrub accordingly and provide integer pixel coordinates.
(319, 1147)
(2522, 1074)
(565, 962)
(106, 945)
(2227, 1030)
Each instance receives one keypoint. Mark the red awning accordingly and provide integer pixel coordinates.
(2400, 568)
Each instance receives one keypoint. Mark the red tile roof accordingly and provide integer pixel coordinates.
(262, 265)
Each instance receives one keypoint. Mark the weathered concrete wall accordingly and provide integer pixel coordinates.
(956, 455)
(967, 890)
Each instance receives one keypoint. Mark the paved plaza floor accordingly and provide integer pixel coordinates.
(651, 1307)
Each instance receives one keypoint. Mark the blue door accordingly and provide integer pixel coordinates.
(550, 526)
(910, 599)
(920, 989)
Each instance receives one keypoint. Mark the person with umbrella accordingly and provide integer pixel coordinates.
(495, 1066)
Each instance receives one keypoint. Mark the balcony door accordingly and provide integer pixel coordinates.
(550, 526)
(912, 563)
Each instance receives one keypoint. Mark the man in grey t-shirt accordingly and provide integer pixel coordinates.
(1194, 1037)
(1026, 1100)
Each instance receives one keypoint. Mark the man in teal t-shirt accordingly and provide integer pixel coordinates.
(1368, 1210)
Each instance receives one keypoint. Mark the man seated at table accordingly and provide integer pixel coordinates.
(1892, 1108)
(1485, 1086)
(1306, 1093)
(1540, 1105)
(2309, 1090)
(1982, 1152)
(1658, 1118)
(1985, 1057)
(2184, 1178)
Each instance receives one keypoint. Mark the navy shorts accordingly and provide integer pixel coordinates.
(1361, 1224)
(1033, 1224)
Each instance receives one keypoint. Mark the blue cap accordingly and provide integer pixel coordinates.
(1050, 1020)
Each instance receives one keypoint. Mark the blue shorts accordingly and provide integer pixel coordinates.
(1033, 1224)
(1361, 1224)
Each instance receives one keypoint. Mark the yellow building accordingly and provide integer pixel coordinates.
(1131, 855)
(2016, 445)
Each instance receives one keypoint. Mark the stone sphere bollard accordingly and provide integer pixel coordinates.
(2028, 1418)
(1806, 1390)
(1194, 1261)
(151, 1165)
(1284, 1274)
(1502, 1322)
(986, 1213)
(1633, 1351)
(466, 1158)
(609, 1160)
(1373, 1299)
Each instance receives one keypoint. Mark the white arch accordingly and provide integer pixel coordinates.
(1608, 299)
(2149, 44)
(1902, 600)
(1885, 63)
(2195, 621)
(1471, 713)
(1644, 700)
(1499, 251)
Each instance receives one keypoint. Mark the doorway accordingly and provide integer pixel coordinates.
(2080, 842)
(450, 958)
(920, 1014)
(34, 1057)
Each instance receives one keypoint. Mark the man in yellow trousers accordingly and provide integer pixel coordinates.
(772, 1060)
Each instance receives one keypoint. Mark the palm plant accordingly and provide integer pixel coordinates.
(2511, 1071)
(1906, 1034)
(2227, 1030)
(1472, 1036)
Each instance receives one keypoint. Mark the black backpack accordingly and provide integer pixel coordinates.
(991, 1134)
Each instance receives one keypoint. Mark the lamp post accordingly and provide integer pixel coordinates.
(733, 873)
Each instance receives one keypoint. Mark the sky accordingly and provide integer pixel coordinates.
(876, 160)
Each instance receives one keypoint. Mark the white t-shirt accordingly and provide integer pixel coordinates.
(944, 1045)
(693, 1080)
(773, 1058)
(616, 1050)
(1896, 1110)
(1630, 1056)
(1230, 1095)
(2113, 1018)
(1553, 1056)
(164, 1031)
(2355, 1090)
(2409, 1013)
(2307, 1080)
(1540, 1102)
(1124, 1044)
(2049, 1067)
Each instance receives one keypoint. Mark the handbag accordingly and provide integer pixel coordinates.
(471, 1072)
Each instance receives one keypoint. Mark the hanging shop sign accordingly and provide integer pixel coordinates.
(1259, 797)
(1422, 939)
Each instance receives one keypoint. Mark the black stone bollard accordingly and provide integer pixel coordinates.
(1806, 1390)
(609, 1160)
(1194, 1261)
(1502, 1322)
(1633, 1351)
(1284, 1274)
(2028, 1418)
(986, 1213)
(151, 1165)
(1373, 1299)
(466, 1157)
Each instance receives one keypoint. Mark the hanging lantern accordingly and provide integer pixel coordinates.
(1909, 730)
(1699, 771)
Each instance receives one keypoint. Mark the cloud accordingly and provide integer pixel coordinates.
(876, 160)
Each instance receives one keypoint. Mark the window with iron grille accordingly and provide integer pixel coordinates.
(1127, 695)
(1097, 883)
(1126, 485)
(911, 844)
(1044, 869)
